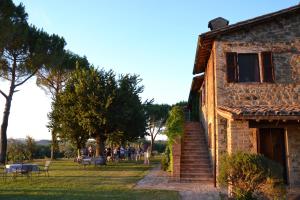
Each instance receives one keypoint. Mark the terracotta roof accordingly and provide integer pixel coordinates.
(197, 82)
(205, 40)
(262, 112)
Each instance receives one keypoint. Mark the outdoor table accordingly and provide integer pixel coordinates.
(22, 168)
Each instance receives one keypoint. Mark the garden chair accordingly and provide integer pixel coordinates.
(24, 171)
(46, 168)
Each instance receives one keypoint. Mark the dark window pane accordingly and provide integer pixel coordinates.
(231, 66)
(268, 72)
(248, 68)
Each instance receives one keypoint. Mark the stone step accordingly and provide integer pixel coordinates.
(191, 168)
(191, 161)
(192, 137)
(194, 156)
(198, 152)
(194, 149)
(196, 180)
(202, 143)
(190, 174)
(200, 164)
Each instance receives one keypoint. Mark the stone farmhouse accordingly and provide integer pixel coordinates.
(245, 96)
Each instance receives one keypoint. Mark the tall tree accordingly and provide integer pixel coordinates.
(64, 117)
(86, 103)
(129, 114)
(30, 147)
(52, 80)
(156, 118)
(23, 51)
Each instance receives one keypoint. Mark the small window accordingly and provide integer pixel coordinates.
(248, 67)
(267, 67)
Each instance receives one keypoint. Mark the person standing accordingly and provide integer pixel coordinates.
(146, 154)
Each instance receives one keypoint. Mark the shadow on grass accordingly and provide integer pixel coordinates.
(109, 193)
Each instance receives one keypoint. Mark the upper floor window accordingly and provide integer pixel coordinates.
(244, 67)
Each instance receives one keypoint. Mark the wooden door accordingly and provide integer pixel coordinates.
(272, 145)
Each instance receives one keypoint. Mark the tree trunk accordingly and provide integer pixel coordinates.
(100, 145)
(53, 145)
(4, 125)
(151, 144)
(78, 152)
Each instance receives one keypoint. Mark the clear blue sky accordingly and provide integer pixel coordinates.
(155, 39)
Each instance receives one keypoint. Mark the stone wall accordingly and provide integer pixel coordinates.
(221, 139)
(280, 36)
(208, 108)
(240, 137)
(176, 150)
(293, 154)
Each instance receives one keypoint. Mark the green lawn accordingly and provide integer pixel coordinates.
(68, 180)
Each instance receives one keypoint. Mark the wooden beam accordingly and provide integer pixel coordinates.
(273, 124)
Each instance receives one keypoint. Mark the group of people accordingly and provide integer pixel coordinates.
(120, 153)
(127, 153)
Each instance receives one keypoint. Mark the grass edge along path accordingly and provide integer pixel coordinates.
(68, 180)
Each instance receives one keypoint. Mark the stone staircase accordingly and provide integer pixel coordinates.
(195, 163)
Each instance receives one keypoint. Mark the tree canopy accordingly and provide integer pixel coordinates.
(24, 49)
(156, 118)
(101, 107)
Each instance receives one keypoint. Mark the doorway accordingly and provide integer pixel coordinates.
(272, 145)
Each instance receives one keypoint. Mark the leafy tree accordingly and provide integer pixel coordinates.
(23, 51)
(101, 107)
(64, 117)
(129, 119)
(30, 145)
(181, 104)
(156, 118)
(175, 123)
(16, 151)
(52, 80)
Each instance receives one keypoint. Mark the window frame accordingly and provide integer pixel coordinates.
(261, 67)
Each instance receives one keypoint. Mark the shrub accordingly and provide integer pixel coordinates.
(174, 129)
(248, 175)
(165, 160)
(175, 123)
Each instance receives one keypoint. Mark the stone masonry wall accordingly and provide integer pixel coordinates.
(240, 137)
(176, 150)
(221, 139)
(293, 154)
(280, 36)
(208, 108)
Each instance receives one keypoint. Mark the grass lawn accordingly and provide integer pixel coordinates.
(68, 180)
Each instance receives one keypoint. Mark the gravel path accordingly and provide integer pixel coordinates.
(158, 179)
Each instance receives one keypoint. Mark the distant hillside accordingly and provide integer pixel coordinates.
(38, 142)
(43, 142)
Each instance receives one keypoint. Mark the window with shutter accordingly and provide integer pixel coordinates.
(231, 61)
(248, 67)
(267, 67)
